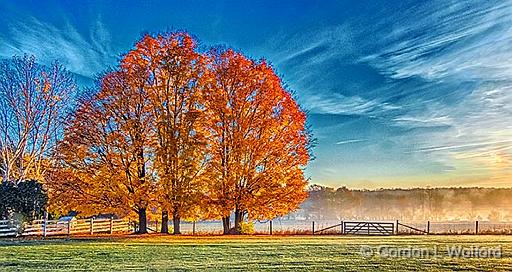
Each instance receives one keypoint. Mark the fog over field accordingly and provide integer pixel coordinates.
(412, 205)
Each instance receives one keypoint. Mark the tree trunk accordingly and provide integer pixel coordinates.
(176, 223)
(143, 224)
(165, 222)
(239, 217)
(226, 224)
(142, 221)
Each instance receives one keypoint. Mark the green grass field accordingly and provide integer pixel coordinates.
(255, 253)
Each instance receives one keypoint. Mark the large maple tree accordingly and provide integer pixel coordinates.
(173, 76)
(259, 143)
(105, 155)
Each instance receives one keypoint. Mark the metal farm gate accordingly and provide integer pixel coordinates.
(361, 228)
(368, 228)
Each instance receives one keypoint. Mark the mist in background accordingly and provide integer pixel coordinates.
(407, 205)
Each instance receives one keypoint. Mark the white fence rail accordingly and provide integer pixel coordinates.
(12, 228)
(8, 228)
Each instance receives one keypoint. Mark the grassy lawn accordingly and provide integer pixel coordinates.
(248, 253)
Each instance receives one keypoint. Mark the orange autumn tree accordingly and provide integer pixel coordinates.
(171, 72)
(105, 154)
(259, 144)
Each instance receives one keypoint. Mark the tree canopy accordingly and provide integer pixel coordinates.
(195, 135)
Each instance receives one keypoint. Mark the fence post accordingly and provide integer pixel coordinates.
(92, 226)
(476, 227)
(69, 228)
(45, 223)
(341, 227)
(270, 227)
(396, 227)
(156, 226)
(111, 225)
(194, 228)
(428, 227)
(313, 227)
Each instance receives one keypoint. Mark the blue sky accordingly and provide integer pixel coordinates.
(399, 93)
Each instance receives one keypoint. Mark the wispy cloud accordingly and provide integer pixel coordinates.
(83, 55)
(447, 71)
(438, 39)
(461, 53)
(350, 141)
(335, 103)
(462, 147)
(440, 89)
(312, 47)
(423, 121)
(311, 61)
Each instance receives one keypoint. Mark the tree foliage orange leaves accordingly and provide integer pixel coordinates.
(259, 142)
(217, 132)
(106, 149)
(173, 75)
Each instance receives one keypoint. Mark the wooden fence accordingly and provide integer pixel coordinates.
(12, 228)
(8, 228)
(45, 228)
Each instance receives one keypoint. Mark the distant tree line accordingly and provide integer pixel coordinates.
(417, 204)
